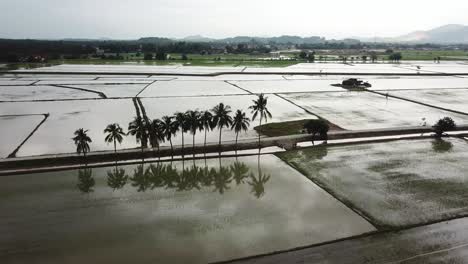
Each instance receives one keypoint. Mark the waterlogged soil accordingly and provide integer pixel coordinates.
(365, 110)
(215, 210)
(395, 184)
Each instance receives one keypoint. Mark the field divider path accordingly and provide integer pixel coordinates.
(285, 142)
(361, 248)
(101, 94)
(417, 102)
(146, 86)
(303, 108)
(237, 86)
(13, 154)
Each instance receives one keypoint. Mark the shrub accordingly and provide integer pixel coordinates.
(443, 125)
(317, 127)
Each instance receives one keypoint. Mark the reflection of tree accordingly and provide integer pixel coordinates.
(222, 179)
(258, 184)
(85, 180)
(117, 178)
(441, 146)
(239, 172)
(167, 176)
(141, 178)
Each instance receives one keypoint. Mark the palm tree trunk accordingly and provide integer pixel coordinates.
(204, 144)
(259, 145)
(172, 149)
(182, 144)
(220, 131)
(115, 147)
(159, 153)
(237, 136)
(193, 145)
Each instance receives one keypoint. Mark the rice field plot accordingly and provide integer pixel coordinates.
(54, 136)
(453, 99)
(364, 110)
(212, 210)
(190, 88)
(38, 92)
(14, 130)
(289, 86)
(394, 184)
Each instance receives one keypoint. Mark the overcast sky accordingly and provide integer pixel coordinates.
(127, 19)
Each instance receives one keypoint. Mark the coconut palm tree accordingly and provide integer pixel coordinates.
(156, 134)
(240, 123)
(114, 134)
(82, 141)
(169, 128)
(222, 118)
(193, 124)
(138, 128)
(206, 121)
(181, 120)
(259, 108)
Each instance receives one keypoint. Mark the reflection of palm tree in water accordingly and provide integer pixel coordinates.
(141, 178)
(222, 179)
(160, 175)
(239, 172)
(117, 178)
(258, 184)
(85, 180)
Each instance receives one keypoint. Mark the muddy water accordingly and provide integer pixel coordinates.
(228, 210)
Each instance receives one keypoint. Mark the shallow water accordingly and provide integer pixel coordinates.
(185, 218)
(54, 136)
(15, 129)
(33, 92)
(396, 183)
(364, 110)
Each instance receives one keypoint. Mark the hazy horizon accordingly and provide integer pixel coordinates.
(120, 19)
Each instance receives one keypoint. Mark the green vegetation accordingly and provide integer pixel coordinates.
(443, 125)
(317, 127)
(288, 128)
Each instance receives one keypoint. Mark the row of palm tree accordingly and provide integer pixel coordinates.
(158, 131)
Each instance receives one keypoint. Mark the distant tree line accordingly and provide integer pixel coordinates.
(34, 50)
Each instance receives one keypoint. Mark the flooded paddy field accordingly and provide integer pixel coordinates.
(54, 136)
(190, 88)
(91, 101)
(37, 92)
(364, 110)
(453, 99)
(15, 129)
(213, 210)
(395, 184)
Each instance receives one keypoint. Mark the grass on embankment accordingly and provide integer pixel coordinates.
(287, 128)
